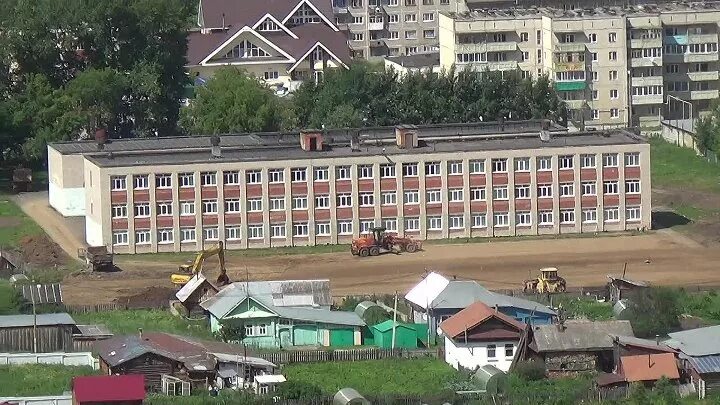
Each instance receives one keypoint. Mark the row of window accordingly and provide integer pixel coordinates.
(345, 227)
(367, 199)
(300, 175)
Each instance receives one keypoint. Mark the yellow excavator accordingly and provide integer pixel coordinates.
(191, 269)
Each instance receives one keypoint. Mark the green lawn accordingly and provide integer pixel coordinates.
(376, 377)
(8, 299)
(674, 166)
(128, 321)
(14, 224)
(587, 308)
(705, 305)
(39, 379)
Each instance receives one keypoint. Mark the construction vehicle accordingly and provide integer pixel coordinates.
(189, 270)
(548, 282)
(97, 258)
(379, 241)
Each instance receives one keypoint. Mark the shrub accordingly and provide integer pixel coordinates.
(298, 390)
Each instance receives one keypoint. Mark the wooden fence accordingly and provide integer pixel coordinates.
(315, 356)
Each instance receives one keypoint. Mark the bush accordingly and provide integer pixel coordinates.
(530, 370)
(298, 390)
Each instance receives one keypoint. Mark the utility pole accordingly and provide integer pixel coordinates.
(32, 299)
(394, 320)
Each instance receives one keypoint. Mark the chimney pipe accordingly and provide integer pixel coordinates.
(657, 340)
(140, 333)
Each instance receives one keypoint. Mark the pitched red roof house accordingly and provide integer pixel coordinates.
(649, 367)
(107, 389)
(468, 320)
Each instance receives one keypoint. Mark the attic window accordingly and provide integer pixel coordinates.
(305, 14)
(246, 49)
(268, 25)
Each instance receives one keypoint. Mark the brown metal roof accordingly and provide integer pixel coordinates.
(473, 316)
(649, 367)
(248, 12)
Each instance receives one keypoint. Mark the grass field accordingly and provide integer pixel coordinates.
(8, 302)
(376, 377)
(705, 305)
(673, 166)
(587, 308)
(14, 224)
(128, 321)
(39, 379)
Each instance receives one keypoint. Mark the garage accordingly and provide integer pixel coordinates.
(342, 337)
(305, 335)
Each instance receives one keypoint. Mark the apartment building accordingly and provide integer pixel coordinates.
(442, 181)
(614, 66)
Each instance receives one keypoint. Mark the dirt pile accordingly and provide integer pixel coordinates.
(40, 251)
(150, 297)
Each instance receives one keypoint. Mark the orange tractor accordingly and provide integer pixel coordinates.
(378, 241)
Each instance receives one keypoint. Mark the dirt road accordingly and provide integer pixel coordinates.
(663, 258)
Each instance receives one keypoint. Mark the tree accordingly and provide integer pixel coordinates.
(654, 311)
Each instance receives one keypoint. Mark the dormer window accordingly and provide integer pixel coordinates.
(318, 53)
(268, 26)
(246, 49)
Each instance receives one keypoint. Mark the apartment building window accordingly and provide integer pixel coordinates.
(271, 75)
(614, 113)
(322, 229)
(119, 211)
(610, 160)
(343, 173)
(589, 188)
(187, 208)
(409, 18)
(411, 35)
(322, 174)
(479, 220)
(118, 183)
(444, 2)
(595, 75)
(299, 175)
(612, 37)
(539, 56)
(253, 177)
(255, 232)
(367, 199)
(393, 18)
(612, 55)
(412, 224)
(365, 171)
(610, 187)
(613, 75)
(209, 206)
(141, 210)
(187, 234)
(525, 58)
(277, 204)
(500, 193)
(544, 190)
(300, 229)
(456, 195)
(276, 176)
(432, 169)
(632, 214)
(232, 232)
(632, 159)
(357, 19)
(568, 38)
(187, 180)
(456, 222)
(230, 178)
(344, 200)
(595, 95)
(589, 216)
(592, 38)
(544, 163)
(677, 86)
(394, 35)
(164, 208)
(322, 201)
(567, 216)
(477, 166)
(140, 182)
(538, 37)
(594, 58)
(390, 224)
(344, 228)
(522, 191)
(500, 219)
(613, 94)
(208, 179)
(387, 171)
(277, 231)
(412, 197)
(499, 165)
(595, 114)
(567, 190)
(211, 233)
(358, 36)
(433, 197)
(523, 218)
(545, 218)
(673, 68)
(142, 237)
(428, 17)
(477, 194)
(429, 34)
(410, 2)
(434, 223)
(120, 238)
(165, 235)
(587, 161)
(524, 37)
(232, 205)
(254, 204)
(611, 214)
(632, 186)
(565, 162)
(388, 198)
(455, 167)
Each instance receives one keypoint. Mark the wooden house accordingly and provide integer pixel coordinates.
(51, 333)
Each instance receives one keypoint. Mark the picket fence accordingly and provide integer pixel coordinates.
(315, 356)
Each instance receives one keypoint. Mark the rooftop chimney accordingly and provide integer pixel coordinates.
(140, 333)
(215, 146)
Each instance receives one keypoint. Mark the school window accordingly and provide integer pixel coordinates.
(187, 208)
(165, 235)
(162, 181)
(509, 350)
(232, 205)
(523, 218)
(412, 224)
(412, 197)
(544, 163)
(632, 159)
(164, 208)
(299, 175)
(500, 193)
(632, 186)
(300, 229)
(589, 216)
(232, 232)
(209, 206)
(432, 169)
(390, 224)
(610, 187)
(322, 228)
(522, 191)
(142, 210)
(344, 200)
(322, 174)
(367, 199)
(186, 179)
(587, 161)
(434, 223)
(632, 214)
(344, 228)
(255, 232)
(479, 220)
(142, 237)
(365, 226)
(365, 171)
(322, 201)
(499, 165)
(120, 238)
(433, 197)
(567, 216)
(565, 162)
(477, 194)
(544, 190)
(276, 175)
(410, 169)
(140, 182)
(477, 166)
(118, 183)
(455, 195)
(211, 233)
(611, 214)
(277, 230)
(588, 188)
(231, 177)
(254, 204)
(208, 179)
(522, 164)
(456, 222)
(119, 211)
(253, 177)
(501, 219)
(567, 190)
(387, 171)
(300, 202)
(277, 204)
(455, 167)
(388, 198)
(545, 218)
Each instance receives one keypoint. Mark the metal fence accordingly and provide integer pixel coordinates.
(66, 359)
(315, 356)
(49, 400)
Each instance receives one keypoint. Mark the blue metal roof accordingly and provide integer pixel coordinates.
(705, 364)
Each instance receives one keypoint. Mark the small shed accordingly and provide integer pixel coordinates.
(349, 396)
(85, 336)
(492, 380)
(405, 335)
(53, 331)
(622, 288)
(195, 291)
(108, 389)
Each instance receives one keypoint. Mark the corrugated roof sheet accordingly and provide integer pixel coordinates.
(93, 330)
(649, 367)
(42, 293)
(14, 321)
(579, 335)
(427, 290)
(388, 325)
(704, 364)
(696, 342)
(474, 315)
(190, 287)
(109, 388)
(645, 343)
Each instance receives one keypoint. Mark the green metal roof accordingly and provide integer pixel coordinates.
(570, 86)
(388, 325)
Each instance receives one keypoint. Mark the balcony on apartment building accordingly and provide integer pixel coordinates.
(641, 81)
(570, 47)
(645, 95)
(484, 42)
(703, 76)
(646, 57)
(570, 80)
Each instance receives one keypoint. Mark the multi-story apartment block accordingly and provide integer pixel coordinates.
(320, 187)
(614, 66)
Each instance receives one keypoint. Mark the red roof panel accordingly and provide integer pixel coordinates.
(109, 388)
(649, 367)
